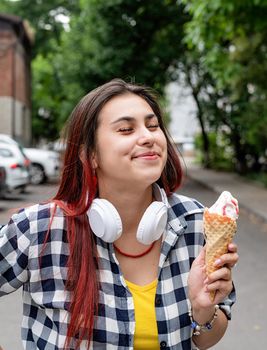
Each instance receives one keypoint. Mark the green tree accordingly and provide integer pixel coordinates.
(45, 17)
(134, 40)
(231, 39)
(48, 19)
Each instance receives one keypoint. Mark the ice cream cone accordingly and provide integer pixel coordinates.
(219, 231)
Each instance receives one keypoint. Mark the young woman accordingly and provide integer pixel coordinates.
(116, 259)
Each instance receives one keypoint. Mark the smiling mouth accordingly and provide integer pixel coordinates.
(147, 156)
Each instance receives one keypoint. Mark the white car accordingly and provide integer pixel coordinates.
(45, 164)
(16, 168)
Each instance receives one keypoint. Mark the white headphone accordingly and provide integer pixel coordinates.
(106, 223)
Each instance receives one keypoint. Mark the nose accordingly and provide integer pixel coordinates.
(146, 137)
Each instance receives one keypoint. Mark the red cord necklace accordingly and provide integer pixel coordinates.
(132, 255)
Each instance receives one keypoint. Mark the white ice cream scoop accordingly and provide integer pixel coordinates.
(225, 205)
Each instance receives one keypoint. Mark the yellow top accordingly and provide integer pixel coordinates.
(146, 331)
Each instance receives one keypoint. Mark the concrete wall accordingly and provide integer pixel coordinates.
(21, 128)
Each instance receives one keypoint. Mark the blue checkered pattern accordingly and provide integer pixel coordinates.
(45, 301)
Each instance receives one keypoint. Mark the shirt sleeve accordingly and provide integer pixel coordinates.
(227, 304)
(14, 247)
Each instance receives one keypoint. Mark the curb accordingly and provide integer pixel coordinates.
(242, 204)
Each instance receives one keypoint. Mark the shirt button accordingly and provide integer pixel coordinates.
(163, 344)
(158, 301)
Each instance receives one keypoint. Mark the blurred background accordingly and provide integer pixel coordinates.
(206, 59)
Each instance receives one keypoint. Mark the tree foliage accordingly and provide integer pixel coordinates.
(231, 37)
(134, 40)
(46, 20)
(45, 17)
(218, 47)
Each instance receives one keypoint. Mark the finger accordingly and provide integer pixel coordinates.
(221, 286)
(228, 259)
(223, 273)
(232, 247)
(231, 266)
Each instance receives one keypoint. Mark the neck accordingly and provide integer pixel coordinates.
(134, 256)
(130, 203)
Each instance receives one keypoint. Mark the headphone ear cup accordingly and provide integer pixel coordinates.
(153, 223)
(104, 220)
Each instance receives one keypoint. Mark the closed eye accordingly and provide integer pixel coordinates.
(129, 129)
(126, 130)
(154, 126)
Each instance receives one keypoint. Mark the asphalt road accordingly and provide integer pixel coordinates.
(10, 305)
(246, 331)
(33, 194)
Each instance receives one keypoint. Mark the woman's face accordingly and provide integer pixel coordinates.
(131, 149)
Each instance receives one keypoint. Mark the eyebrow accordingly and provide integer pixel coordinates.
(130, 119)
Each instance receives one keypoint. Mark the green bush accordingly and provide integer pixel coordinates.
(260, 178)
(220, 151)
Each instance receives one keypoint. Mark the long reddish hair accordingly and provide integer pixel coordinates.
(77, 189)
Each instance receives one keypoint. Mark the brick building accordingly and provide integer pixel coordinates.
(15, 78)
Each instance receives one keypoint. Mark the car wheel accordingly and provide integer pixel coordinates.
(22, 189)
(37, 174)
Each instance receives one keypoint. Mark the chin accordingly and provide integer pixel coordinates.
(149, 180)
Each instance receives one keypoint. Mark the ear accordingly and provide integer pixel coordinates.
(83, 156)
(94, 160)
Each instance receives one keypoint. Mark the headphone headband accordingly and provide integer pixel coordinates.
(106, 223)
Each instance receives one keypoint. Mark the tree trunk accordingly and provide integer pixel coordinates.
(240, 154)
(205, 139)
(200, 117)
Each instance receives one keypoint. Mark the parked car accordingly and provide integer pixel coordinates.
(45, 164)
(2, 181)
(6, 139)
(16, 167)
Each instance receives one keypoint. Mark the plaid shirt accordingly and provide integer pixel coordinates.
(45, 300)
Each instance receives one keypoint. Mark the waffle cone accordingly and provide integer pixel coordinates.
(219, 231)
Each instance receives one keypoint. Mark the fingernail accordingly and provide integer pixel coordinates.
(217, 262)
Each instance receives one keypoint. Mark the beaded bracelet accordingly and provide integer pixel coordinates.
(197, 328)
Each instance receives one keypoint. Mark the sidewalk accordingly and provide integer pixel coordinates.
(250, 195)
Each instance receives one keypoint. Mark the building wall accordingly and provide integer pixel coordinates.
(183, 124)
(5, 112)
(6, 39)
(182, 109)
(15, 117)
(22, 120)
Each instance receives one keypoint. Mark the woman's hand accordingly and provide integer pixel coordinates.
(220, 281)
